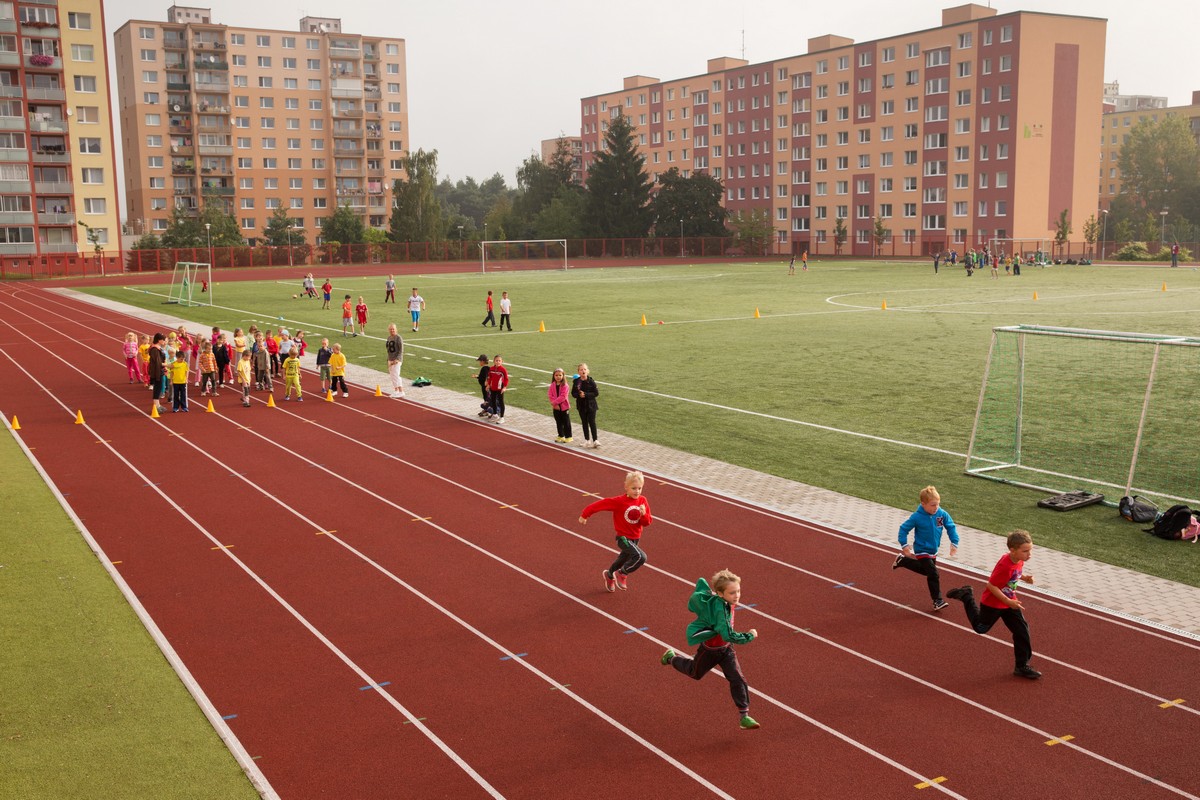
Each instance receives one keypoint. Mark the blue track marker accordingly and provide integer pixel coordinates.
(518, 655)
(374, 685)
(229, 716)
(635, 630)
(844, 585)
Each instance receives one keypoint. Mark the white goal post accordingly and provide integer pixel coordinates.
(523, 254)
(1032, 251)
(184, 280)
(1064, 409)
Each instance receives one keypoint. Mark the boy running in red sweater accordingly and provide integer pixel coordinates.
(631, 513)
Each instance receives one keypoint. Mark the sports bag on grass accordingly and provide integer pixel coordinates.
(1172, 523)
(1137, 509)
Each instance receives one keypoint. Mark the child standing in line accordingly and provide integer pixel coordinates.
(631, 513)
(132, 358)
(560, 404)
(497, 385)
(207, 364)
(323, 354)
(272, 345)
(482, 377)
(928, 522)
(179, 383)
(221, 356)
(245, 375)
(1000, 601)
(327, 291)
(585, 392)
(156, 370)
(360, 311)
(298, 341)
(713, 631)
(286, 345)
(144, 358)
(491, 317)
(337, 370)
(291, 375)
(505, 311)
(262, 364)
(347, 319)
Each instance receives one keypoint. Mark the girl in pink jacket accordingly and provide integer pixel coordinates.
(560, 403)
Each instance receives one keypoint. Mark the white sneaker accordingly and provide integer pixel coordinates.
(396, 394)
(345, 394)
(500, 421)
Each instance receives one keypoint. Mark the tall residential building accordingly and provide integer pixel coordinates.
(983, 127)
(257, 120)
(1115, 101)
(57, 160)
(1114, 132)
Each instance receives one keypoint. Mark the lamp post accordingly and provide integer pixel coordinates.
(1103, 231)
(461, 251)
(290, 229)
(1162, 239)
(681, 238)
(208, 237)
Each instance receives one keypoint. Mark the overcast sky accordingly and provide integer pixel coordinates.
(487, 81)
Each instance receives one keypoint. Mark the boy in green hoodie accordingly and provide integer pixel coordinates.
(713, 631)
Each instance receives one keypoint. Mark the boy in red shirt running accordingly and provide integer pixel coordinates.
(1000, 601)
(631, 513)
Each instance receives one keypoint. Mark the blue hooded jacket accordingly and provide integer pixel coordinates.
(928, 527)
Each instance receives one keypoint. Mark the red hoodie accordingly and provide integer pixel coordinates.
(629, 516)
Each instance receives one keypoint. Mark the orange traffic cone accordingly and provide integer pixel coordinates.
(542, 326)
(210, 408)
(884, 306)
(1035, 295)
(378, 391)
(154, 411)
(16, 426)
(79, 418)
(756, 314)
(329, 396)
(643, 319)
(270, 401)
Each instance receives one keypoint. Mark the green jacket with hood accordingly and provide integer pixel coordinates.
(713, 617)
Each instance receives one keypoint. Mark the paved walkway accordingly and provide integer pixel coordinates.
(1145, 597)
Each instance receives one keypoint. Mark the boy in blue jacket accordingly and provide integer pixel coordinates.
(928, 522)
(713, 631)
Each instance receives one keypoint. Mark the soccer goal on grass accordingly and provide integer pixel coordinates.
(189, 279)
(1031, 251)
(1062, 409)
(523, 254)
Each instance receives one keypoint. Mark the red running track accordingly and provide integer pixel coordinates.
(383, 597)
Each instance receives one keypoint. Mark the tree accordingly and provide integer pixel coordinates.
(618, 186)
(839, 235)
(695, 202)
(279, 232)
(417, 214)
(147, 242)
(1062, 231)
(539, 182)
(1091, 232)
(752, 230)
(563, 218)
(881, 234)
(183, 230)
(1160, 167)
(223, 230)
(344, 227)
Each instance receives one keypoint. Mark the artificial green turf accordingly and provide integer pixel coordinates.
(90, 707)
(823, 352)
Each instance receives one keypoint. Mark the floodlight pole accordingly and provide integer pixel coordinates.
(1103, 232)
(681, 238)
(1163, 236)
(290, 228)
(208, 236)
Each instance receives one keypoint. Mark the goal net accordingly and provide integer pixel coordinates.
(1063, 409)
(523, 254)
(191, 284)
(1032, 251)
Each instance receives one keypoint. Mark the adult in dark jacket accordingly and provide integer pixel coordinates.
(585, 392)
(156, 368)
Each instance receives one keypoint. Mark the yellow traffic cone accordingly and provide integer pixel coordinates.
(756, 314)
(1164, 286)
(328, 395)
(1035, 295)
(884, 306)
(542, 326)
(154, 411)
(378, 391)
(643, 319)
(210, 408)
(79, 418)
(270, 401)
(16, 426)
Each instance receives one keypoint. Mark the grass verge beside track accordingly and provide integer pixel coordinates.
(91, 708)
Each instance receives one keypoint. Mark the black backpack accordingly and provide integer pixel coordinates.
(1171, 523)
(1137, 509)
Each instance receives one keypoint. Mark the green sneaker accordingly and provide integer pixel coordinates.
(666, 657)
(748, 723)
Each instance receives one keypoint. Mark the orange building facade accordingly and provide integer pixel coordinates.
(981, 128)
(257, 120)
(57, 155)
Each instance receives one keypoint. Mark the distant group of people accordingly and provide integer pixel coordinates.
(979, 259)
(505, 311)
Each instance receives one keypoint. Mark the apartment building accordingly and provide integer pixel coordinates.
(982, 127)
(574, 147)
(57, 159)
(1115, 129)
(257, 120)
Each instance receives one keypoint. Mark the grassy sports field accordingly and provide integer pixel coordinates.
(823, 386)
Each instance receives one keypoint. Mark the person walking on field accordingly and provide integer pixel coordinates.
(505, 311)
(327, 291)
(395, 358)
(390, 287)
(491, 317)
(416, 304)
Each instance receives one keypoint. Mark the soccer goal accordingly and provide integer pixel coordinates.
(523, 254)
(188, 280)
(1032, 251)
(1062, 409)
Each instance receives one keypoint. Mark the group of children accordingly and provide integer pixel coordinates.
(493, 383)
(714, 603)
(505, 311)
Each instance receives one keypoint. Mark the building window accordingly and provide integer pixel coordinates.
(262, 40)
(78, 21)
(84, 52)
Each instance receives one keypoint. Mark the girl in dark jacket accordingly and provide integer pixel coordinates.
(584, 390)
(156, 368)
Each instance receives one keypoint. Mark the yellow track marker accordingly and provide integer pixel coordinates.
(1035, 295)
(756, 314)
(210, 409)
(16, 425)
(542, 326)
(643, 319)
(79, 418)
(1059, 740)
(322, 533)
(378, 391)
(103, 441)
(329, 396)
(270, 401)
(1164, 286)
(1177, 701)
(938, 779)
(222, 547)
(117, 562)
(420, 519)
(514, 505)
(884, 306)
(154, 411)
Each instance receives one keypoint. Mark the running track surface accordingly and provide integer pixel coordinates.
(386, 599)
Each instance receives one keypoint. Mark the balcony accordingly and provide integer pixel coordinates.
(182, 150)
(217, 169)
(216, 149)
(179, 106)
(40, 30)
(176, 86)
(41, 61)
(206, 107)
(183, 169)
(212, 127)
(370, 54)
(43, 125)
(25, 248)
(16, 217)
(203, 87)
(50, 218)
(12, 124)
(349, 152)
(348, 132)
(14, 154)
(208, 44)
(51, 157)
(174, 43)
(11, 91)
(209, 62)
(45, 93)
(344, 50)
(355, 113)
(179, 65)
(53, 187)
(61, 247)
(9, 59)
(220, 191)
(14, 187)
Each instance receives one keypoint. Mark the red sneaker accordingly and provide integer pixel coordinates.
(622, 580)
(609, 583)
